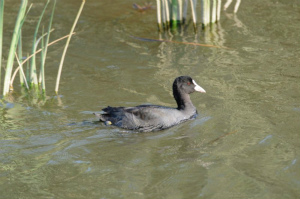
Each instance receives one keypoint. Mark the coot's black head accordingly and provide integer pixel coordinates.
(185, 84)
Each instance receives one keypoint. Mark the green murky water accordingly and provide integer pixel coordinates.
(244, 143)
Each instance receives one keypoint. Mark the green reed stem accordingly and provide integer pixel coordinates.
(66, 46)
(28, 57)
(36, 52)
(42, 69)
(167, 12)
(44, 52)
(33, 73)
(1, 32)
(174, 5)
(20, 56)
(13, 46)
(21, 73)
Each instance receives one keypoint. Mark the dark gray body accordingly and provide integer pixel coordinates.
(145, 118)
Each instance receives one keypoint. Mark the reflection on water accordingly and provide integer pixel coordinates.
(243, 144)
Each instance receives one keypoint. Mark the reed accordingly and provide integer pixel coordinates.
(159, 24)
(219, 10)
(33, 81)
(66, 47)
(214, 11)
(20, 54)
(20, 68)
(205, 13)
(1, 32)
(176, 10)
(174, 14)
(29, 57)
(22, 74)
(193, 8)
(236, 6)
(13, 46)
(30, 80)
(42, 67)
(166, 13)
(44, 47)
(180, 11)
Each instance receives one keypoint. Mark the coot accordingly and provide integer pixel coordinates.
(146, 118)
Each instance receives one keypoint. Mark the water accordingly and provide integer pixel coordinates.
(243, 144)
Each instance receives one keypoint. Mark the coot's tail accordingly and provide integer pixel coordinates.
(101, 118)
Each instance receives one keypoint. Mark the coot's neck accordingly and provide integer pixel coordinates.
(183, 100)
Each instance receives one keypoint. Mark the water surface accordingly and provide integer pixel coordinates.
(243, 144)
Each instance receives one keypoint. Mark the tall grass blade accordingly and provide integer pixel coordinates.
(164, 15)
(236, 7)
(42, 69)
(214, 11)
(66, 46)
(39, 50)
(44, 53)
(185, 7)
(180, 10)
(166, 6)
(158, 9)
(42, 57)
(27, 68)
(13, 46)
(205, 6)
(208, 10)
(1, 33)
(21, 73)
(193, 8)
(33, 73)
(28, 57)
(20, 50)
(20, 55)
(227, 4)
(174, 12)
(219, 10)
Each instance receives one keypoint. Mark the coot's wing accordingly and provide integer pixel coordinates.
(147, 118)
(147, 112)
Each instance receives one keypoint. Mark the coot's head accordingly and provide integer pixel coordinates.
(185, 84)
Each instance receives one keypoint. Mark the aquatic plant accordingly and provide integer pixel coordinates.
(1, 32)
(33, 73)
(236, 7)
(32, 81)
(13, 45)
(173, 13)
(66, 46)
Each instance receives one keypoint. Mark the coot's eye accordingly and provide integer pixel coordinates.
(188, 83)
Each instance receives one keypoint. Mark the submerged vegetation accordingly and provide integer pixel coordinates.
(31, 80)
(173, 13)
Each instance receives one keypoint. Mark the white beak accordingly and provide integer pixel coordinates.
(198, 88)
